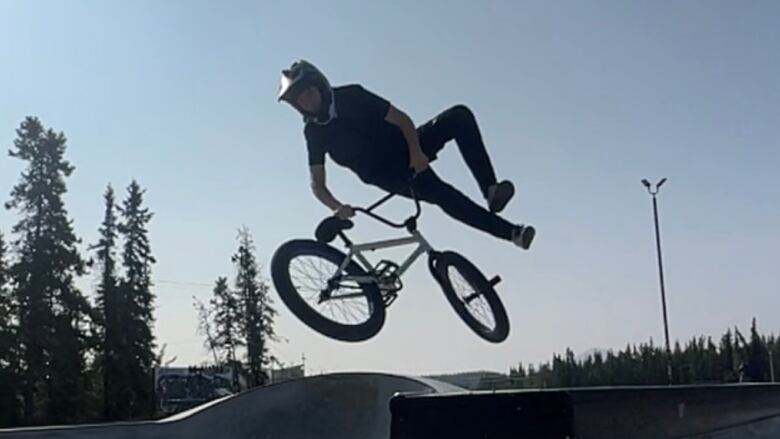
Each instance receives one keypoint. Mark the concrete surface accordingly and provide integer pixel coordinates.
(344, 406)
(358, 405)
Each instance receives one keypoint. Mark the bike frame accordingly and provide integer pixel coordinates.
(356, 251)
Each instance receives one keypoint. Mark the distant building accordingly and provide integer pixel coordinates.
(180, 388)
(285, 374)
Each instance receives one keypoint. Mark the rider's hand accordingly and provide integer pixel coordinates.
(344, 212)
(419, 162)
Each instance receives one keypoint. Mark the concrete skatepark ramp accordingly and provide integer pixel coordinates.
(342, 406)
(381, 406)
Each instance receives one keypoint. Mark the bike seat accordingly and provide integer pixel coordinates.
(330, 227)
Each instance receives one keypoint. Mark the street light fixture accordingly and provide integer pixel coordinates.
(653, 191)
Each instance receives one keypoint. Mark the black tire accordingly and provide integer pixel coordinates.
(487, 317)
(293, 293)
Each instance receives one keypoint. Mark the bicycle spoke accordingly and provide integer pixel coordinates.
(311, 276)
(472, 300)
(341, 310)
(309, 282)
(305, 273)
(311, 264)
(348, 309)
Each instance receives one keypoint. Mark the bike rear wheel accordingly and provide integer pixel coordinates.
(304, 273)
(472, 296)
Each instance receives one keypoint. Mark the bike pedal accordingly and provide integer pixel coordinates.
(389, 299)
(493, 282)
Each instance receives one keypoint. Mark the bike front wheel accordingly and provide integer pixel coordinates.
(472, 296)
(344, 305)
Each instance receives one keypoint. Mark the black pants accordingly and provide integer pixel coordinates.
(457, 123)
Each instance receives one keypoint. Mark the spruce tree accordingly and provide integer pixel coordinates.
(757, 356)
(138, 300)
(52, 313)
(9, 407)
(726, 358)
(258, 314)
(112, 311)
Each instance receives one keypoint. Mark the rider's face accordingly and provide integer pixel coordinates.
(310, 100)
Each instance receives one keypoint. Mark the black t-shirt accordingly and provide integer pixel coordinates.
(359, 137)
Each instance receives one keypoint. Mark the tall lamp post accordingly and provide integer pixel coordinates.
(653, 191)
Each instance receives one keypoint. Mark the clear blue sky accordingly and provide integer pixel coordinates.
(577, 101)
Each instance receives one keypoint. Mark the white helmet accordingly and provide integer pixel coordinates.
(301, 75)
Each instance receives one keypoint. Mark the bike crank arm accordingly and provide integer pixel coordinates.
(492, 282)
(342, 297)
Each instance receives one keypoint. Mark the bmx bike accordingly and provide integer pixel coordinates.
(345, 296)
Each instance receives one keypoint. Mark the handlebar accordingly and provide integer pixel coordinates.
(411, 221)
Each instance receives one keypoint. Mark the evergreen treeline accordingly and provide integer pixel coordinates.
(70, 356)
(65, 358)
(733, 358)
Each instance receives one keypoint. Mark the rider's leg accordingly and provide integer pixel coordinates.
(430, 188)
(458, 123)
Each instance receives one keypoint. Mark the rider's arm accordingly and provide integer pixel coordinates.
(404, 122)
(320, 190)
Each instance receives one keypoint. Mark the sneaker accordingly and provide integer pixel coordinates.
(499, 195)
(523, 236)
